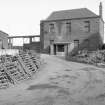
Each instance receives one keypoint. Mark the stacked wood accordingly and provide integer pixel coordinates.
(15, 71)
(4, 81)
(18, 68)
(27, 63)
(35, 59)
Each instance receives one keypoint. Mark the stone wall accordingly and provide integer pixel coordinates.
(78, 31)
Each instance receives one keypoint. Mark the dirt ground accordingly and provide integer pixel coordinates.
(59, 82)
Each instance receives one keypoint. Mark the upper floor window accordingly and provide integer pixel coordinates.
(87, 26)
(68, 26)
(76, 43)
(51, 27)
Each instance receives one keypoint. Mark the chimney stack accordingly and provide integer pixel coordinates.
(100, 10)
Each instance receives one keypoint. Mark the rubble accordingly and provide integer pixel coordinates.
(96, 58)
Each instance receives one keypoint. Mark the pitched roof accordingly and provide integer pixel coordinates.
(71, 14)
(3, 34)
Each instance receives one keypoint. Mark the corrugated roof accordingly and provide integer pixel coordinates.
(71, 14)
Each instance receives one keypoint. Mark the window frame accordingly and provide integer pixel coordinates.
(68, 26)
(87, 25)
(51, 27)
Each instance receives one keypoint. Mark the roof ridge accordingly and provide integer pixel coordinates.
(72, 13)
(69, 9)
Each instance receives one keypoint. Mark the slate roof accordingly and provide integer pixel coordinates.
(3, 34)
(71, 14)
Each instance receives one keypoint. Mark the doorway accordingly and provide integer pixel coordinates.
(60, 50)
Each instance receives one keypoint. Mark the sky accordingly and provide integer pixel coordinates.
(22, 17)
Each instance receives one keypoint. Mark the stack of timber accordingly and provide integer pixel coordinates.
(27, 63)
(18, 68)
(35, 59)
(4, 81)
(15, 72)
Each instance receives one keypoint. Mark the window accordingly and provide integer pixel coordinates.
(87, 26)
(76, 43)
(26, 40)
(51, 41)
(51, 27)
(87, 42)
(68, 26)
(35, 39)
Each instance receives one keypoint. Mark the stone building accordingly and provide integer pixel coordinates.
(3, 40)
(67, 31)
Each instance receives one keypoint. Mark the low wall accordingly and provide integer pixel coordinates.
(9, 51)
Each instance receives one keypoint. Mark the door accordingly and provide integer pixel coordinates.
(54, 49)
(60, 50)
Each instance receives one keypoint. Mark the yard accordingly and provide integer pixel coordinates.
(59, 82)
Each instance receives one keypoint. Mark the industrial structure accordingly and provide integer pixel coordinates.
(69, 31)
(3, 40)
(31, 42)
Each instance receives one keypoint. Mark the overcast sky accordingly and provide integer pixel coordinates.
(22, 17)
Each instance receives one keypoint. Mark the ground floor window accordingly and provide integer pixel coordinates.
(51, 41)
(76, 43)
